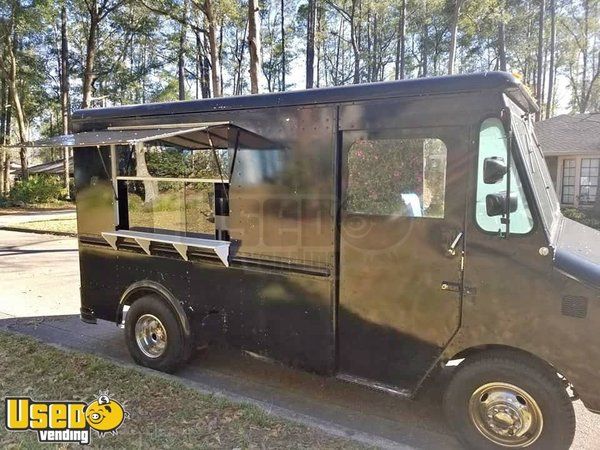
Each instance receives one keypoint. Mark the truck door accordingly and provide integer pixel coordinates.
(402, 224)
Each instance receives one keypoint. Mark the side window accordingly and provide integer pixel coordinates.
(493, 146)
(401, 177)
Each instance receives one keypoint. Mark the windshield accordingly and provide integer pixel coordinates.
(537, 172)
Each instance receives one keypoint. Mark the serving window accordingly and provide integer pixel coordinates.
(170, 182)
(170, 188)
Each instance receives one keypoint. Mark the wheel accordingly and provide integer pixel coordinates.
(154, 336)
(506, 399)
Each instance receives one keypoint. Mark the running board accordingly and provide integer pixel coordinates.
(405, 393)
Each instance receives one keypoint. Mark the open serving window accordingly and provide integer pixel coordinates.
(170, 182)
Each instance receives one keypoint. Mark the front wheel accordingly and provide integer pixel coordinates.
(507, 400)
(154, 336)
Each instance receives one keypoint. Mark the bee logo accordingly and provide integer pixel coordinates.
(105, 415)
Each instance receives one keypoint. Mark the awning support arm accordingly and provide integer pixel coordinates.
(235, 151)
(214, 152)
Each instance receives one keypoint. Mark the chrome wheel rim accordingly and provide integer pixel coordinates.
(506, 414)
(151, 336)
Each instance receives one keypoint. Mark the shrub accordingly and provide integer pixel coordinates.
(37, 189)
(587, 217)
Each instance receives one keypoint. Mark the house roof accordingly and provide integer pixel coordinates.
(52, 167)
(577, 134)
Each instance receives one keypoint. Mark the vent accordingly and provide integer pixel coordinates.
(574, 306)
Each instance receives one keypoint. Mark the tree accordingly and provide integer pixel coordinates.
(539, 85)
(254, 44)
(551, 69)
(9, 68)
(453, 32)
(310, 43)
(401, 42)
(97, 10)
(283, 66)
(65, 102)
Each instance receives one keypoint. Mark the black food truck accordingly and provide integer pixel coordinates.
(371, 232)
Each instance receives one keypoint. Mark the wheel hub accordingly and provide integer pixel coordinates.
(506, 414)
(150, 335)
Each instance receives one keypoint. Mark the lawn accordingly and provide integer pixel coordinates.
(163, 412)
(58, 226)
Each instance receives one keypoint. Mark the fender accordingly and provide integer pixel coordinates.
(145, 286)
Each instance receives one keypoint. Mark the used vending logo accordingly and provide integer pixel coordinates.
(65, 421)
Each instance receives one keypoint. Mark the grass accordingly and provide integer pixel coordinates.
(55, 226)
(163, 412)
(9, 208)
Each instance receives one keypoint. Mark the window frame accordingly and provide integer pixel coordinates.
(562, 181)
(122, 215)
(516, 160)
(382, 134)
(597, 176)
(559, 179)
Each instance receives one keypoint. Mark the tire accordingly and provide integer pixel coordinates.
(501, 384)
(162, 344)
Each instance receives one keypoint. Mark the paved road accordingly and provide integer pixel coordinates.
(39, 296)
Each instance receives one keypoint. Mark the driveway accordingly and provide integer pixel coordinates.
(39, 296)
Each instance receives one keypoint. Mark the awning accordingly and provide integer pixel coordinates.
(193, 136)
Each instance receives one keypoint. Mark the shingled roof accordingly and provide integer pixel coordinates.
(570, 135)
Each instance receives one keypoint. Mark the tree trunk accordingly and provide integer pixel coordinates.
(202, 48)
(550, 101)
(141, 170)
(2, 133)
(16, 103)
(539, 88)
(90, 57)
(424, 49)
(355, 44)
(310, 44)
(64, 92)
(181, 54)
(283, 63)
(7, 130)
(502, 45)
(213, 48)
(582, 101)
(254, 44)
(401, 43)
(453, 35)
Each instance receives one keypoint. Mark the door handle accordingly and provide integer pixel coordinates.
(452, 248)
(450, 286)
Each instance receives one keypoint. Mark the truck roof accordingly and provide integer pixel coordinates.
(497, 81)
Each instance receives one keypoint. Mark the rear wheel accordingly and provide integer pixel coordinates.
(507, 400)
(154, 336)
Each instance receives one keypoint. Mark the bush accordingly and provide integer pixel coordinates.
(37, 189)
(587, 217)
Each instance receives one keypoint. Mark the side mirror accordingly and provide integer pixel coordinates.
(495, 204)
(494, 169)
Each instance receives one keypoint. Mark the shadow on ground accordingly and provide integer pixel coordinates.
(388, 419)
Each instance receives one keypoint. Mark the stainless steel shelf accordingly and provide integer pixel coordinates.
(179, 243)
